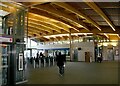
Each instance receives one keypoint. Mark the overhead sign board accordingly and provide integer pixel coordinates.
(6, 39)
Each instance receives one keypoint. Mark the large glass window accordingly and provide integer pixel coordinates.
(33, 44)
(30, 43)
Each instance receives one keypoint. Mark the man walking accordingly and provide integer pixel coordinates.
(60, 62)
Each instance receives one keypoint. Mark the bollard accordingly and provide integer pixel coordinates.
(34, 63)
(44, 62)
(53, 60)
(39, 63)
(49, 61)
(90, 59)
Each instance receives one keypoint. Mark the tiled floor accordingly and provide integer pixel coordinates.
(77, 73)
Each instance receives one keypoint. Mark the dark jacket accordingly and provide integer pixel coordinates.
(60, 60)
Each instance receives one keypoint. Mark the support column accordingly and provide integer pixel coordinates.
(119, 56)
(70, 38)
(1, 31)
(0, 65)
(17, 65)
(12, 63)
(46, 53)
(119, 49)
(30, 53)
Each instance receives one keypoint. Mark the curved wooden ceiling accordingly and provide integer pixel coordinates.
(50, 18)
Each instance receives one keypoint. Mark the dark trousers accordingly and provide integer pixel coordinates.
(61, 69)
(99, 59)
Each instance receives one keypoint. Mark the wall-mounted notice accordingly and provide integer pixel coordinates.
(6, 39)
(20, 61)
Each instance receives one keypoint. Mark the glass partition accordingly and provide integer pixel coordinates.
(12, 46)
(5, 61)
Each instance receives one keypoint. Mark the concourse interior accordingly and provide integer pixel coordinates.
(76, 73)
(32, 33)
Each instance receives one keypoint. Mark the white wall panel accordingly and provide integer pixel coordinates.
(85, 47)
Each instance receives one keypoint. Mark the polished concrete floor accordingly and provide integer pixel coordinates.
(76, 73)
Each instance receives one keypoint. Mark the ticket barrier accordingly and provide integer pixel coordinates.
(43, 62)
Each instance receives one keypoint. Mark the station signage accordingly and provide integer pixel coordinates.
(6, 39)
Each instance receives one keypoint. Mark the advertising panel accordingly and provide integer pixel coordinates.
(20, 61)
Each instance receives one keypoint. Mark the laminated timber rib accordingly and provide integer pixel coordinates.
(101, 13)
(62, 15)
(80, 14)
(52, 27)
(52, 18)
(48, 20)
